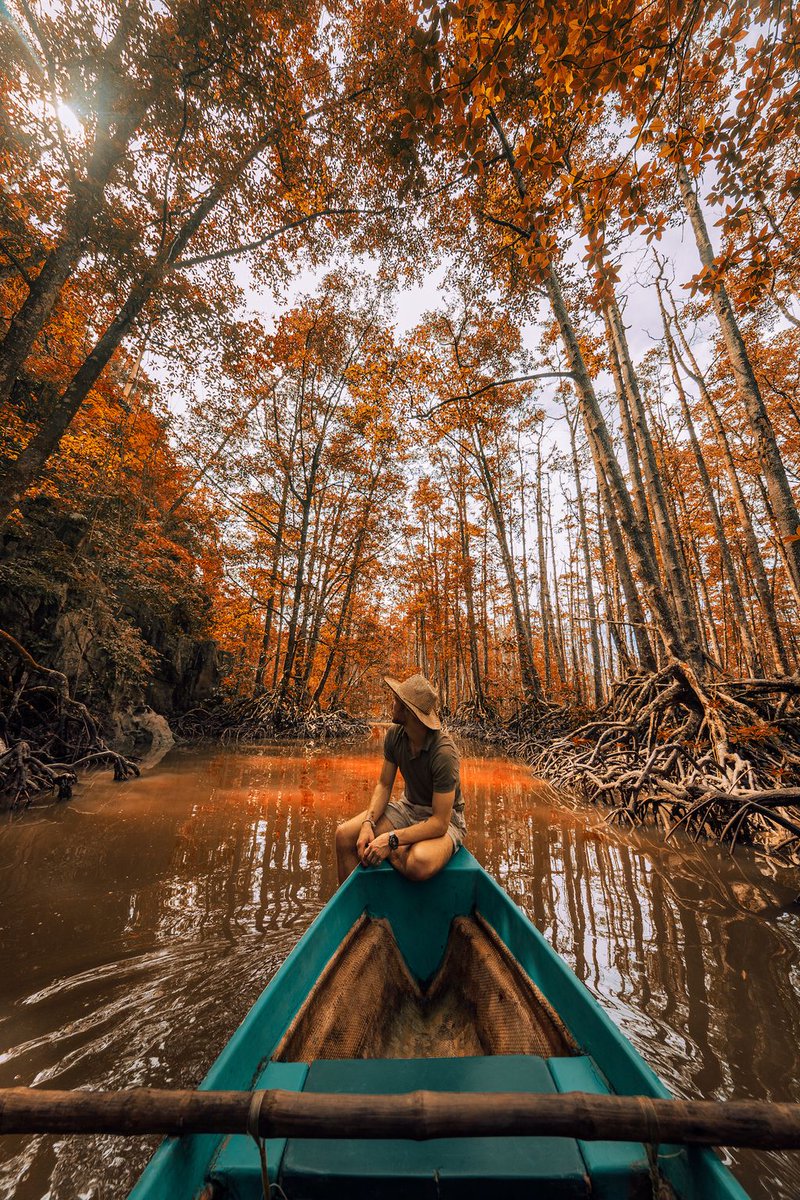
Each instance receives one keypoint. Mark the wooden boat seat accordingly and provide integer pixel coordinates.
(554, 1168)
(235, 1168)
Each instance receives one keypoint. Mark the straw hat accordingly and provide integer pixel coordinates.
(419, 695)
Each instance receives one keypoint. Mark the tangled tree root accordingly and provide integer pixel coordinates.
(46, 737)
(242, 719)
(478, 720)
(720, 760)
(526, 734)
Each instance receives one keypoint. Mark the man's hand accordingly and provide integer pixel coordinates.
(376, 851)
(365, 837)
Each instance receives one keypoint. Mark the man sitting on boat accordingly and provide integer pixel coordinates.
(422, 831)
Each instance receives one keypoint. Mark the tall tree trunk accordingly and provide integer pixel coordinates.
(638, 493)
(692, 600)
(633, 603)
(423, 646)
(600, 440)
(555, 607)
(293, 628)
(787, 517)
(526, 587)
(531, 683)
(266, 635)
(544, 540)
(280, 610)
(611, 603)
(544, 614)
(752, 549)
(719, 651)
(469, 593)
(677, 582)
(603, 450)
(322, 560)
(335, 699)
(578, 679)
(780, 548)
(485, 599)
(739, 614)
(583, 537)
(343, 619)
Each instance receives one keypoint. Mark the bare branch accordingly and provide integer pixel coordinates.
(498, 383)
(233, 251)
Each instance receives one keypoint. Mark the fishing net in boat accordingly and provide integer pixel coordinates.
(511, 1013)
(367, 1005)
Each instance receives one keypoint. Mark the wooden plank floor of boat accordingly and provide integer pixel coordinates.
(478, 1002)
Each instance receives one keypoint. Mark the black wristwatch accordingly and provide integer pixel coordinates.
(394, 841)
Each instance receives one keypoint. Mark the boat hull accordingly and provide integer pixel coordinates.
(421, 917)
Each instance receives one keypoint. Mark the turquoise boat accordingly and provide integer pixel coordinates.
(441, 986)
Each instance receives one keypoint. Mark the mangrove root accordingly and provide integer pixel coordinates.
(243, 719)
(46, 736)
(719, 759)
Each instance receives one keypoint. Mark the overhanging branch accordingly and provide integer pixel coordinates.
(498, 383)
(233, 251)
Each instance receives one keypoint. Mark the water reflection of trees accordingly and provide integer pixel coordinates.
(704, 989)
(252, 854)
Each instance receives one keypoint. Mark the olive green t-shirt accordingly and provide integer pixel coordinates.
(434, 769)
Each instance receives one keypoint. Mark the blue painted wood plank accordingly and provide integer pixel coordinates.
(618, 1170)
(463, 1167)
(237, 1166)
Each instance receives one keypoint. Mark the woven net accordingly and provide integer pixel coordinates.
(367, 1005)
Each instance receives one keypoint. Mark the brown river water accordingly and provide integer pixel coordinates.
(139, 922)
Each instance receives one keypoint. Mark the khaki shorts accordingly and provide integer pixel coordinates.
(402, 813)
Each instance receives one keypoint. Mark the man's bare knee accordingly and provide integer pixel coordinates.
(344, 838)
(416, 868)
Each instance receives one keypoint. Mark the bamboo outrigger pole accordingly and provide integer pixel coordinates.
(416, 1115)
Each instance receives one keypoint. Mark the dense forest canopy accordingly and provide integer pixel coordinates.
(579, 465)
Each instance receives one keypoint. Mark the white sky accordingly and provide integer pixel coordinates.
(635, 291)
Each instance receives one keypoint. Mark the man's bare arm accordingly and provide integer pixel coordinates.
(377, 807)
(434, 826)
(383, 791)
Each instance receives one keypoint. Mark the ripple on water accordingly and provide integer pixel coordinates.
(155, 1021)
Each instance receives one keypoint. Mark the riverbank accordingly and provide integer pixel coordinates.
(63, 738)
(718, 759)
(653, 754)
(269, 715)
